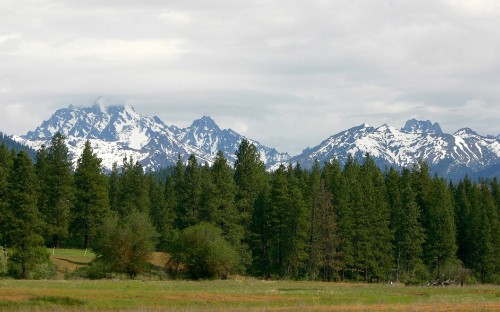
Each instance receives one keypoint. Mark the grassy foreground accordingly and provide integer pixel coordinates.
(231, 295)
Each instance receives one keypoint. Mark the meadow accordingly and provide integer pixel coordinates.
(236, 294)
(229, 295)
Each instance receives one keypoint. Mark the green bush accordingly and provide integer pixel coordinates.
(124, 245)
(204, 253)
(3, 261)
(39, 265)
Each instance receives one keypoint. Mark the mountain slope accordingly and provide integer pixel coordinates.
(10, 143)
(451, 156)
(117, 132)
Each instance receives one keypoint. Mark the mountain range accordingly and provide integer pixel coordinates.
(117, 132)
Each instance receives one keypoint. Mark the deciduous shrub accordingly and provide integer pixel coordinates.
(204, 253)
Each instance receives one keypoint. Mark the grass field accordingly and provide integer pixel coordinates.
(230, 295)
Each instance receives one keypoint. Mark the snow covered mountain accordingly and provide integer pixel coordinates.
(116, 132)
(451, 156)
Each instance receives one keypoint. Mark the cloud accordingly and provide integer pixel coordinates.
(287, 73)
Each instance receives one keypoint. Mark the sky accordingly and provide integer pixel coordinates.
(286, 73)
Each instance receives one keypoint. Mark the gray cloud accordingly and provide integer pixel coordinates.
(287, 73)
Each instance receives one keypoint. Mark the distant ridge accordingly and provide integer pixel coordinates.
(118, 131)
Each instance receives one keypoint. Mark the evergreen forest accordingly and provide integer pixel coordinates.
(332, 223)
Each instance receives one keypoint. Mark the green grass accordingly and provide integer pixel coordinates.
(233, 295)
(79, 253)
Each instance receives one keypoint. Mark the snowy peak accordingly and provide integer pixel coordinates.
(119, 131)
(451, 156)
(465, 132)
(204, 123)
(420, 126)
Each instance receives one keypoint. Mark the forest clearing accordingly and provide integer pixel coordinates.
(244, 294)
(237, 293)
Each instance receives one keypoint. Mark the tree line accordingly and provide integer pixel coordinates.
(354, 222)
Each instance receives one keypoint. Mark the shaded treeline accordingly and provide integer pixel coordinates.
(354, 222)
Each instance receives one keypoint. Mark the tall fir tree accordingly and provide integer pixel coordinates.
(25, 224)
(190, 191)
(6, 163)
(328, 241)
(314, 202)
(114, 188)
(133, 195)
(226, 214)
(336, 185)
(296, 221)
(249, 176)
(91, 196)
(463, 210)
(59, 185)
(349, 220)
(440, 231)
(409, 236)
(376, 238)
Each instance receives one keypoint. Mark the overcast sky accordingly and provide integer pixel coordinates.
(286, 73)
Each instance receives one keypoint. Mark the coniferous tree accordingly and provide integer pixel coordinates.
(377, 249)
(225, 214)
(25, 224)
(261, 229)
(440, 230)
(336, 185)
(163, 215)
(6, 163)
(409, 232)
(249, 176)
(133, 195)
(114, 188)
(314, 221)
(59, 185)
(279, 209)
(463, 210)
(189, 192)
(349, 218)
(484, 233)
(91, 196)
(296, 221)
(328, 239)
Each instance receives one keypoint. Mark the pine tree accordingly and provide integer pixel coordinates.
(226, 214)
(42, 173)
(92, 199)
(133, 195)
(189, 192)
(114, 188)
(261, 230)
(164, 216)
(6, 163)
(409, 232)
(314, 221)
(463, 209)
(249, 176)
(25, 224)
(278, 216)
(335, 184)
(349, 217)
(296, 221)
(375, 236)
(440, 245)
(328, 239)
(484, 233)
(59, 186)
